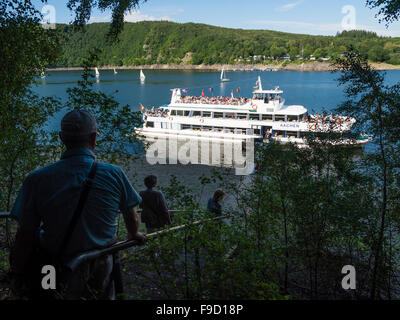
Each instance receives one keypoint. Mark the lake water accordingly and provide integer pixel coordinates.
(317, 91)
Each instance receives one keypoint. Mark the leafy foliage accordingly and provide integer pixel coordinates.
(117, 138)
(83, 10)
(375, 105)
(165, 42)
(389, 10)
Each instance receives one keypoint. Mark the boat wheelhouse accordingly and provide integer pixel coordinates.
(263, 117)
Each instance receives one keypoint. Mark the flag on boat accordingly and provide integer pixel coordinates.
(141, 108)
(237, 90)
(202, 93)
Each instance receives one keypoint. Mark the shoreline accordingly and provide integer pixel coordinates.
(304, 67)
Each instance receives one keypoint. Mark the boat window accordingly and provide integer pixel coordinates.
(179, 113)
(257, 131)
(186, 113)
(196, 114)
(230, 116)
(279, 118)
(150, 124)
(207, 114)
(267, 117)
(292, 118)
(218, 115)
(186, 126)
(218, 129)
(242, 115)
(254, 116)
(196, 128)
(173, 112)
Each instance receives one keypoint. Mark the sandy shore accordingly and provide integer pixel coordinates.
(308, 66)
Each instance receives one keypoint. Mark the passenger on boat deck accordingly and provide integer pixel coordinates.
(327, 119)
(214, 100)
(157, 113)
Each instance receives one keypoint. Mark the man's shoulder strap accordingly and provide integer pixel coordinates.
(78, 211)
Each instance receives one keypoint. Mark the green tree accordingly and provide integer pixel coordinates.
(277, 52)
(389, 11)
(375, 104)
(377, 54)
(117, 140)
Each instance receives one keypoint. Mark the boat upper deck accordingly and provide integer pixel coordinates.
(235, 101)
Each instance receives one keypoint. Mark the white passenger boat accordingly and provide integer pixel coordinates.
(263, 117)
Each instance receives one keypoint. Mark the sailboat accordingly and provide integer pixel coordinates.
(223, 79)
(142, 76)
(43, 75)
(115, 71)
(97, 72)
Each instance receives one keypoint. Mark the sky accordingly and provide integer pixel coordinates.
(316, 17)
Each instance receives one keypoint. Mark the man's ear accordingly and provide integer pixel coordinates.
(93, 139)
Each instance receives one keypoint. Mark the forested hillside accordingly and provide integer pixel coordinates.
(162, 42)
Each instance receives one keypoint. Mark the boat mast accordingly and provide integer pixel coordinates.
(259, 83)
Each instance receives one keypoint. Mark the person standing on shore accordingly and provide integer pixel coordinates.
(214, 203)
(155, 211)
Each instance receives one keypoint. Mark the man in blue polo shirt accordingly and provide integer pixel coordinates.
(49, 197)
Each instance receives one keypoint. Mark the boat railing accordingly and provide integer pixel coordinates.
(114, 249)
(80, 258)
(4, 215)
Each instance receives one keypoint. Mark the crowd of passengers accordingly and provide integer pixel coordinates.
(327, 119)
(319, 119)
(238, 101)
(156, 113)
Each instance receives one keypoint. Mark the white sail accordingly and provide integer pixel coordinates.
(97, 72)
(115, 71)
(142, 76)
(223, 79)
